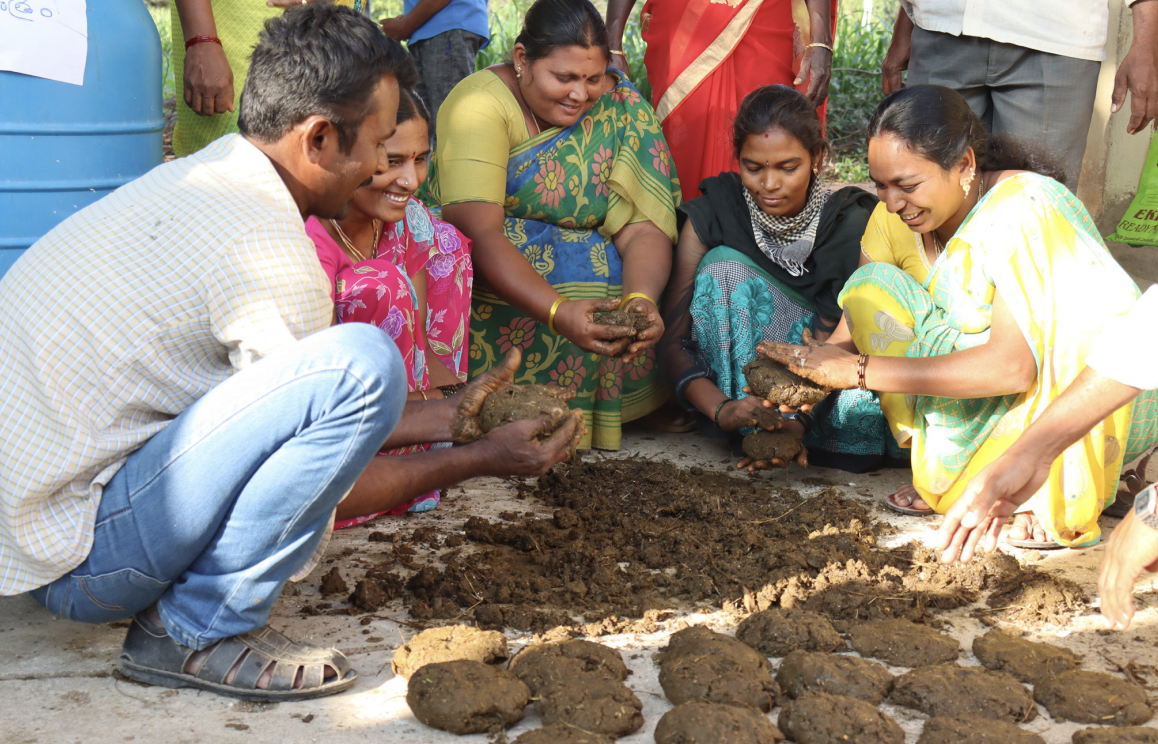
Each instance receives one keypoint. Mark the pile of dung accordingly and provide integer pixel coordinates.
(629, 539)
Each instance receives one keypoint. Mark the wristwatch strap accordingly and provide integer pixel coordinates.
(1144, 507)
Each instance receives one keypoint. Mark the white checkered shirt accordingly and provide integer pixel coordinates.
(121, 318)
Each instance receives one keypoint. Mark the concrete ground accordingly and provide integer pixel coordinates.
(58, 682)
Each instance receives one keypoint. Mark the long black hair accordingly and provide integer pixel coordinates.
(550, 24)
(411, 106)
(778, 106)
(935, 122)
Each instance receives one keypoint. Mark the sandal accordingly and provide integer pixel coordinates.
(152, 656)
(1047, 544)
(907, 510)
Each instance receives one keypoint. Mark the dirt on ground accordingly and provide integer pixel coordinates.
(701, 723)
(544, 664)
(466, 697)
(561, 735)
(771, 445)
(778, 632)
(975, 730)
(630, 540)
(519, 402)
(700, 665)
(1123, 735)
(453, 643)
(902, 643)
(772, 381)
(803, 672)
(1026, 660)
(1093, 697)
(820, 718)
(951, 690)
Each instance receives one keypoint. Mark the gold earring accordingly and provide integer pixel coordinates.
(966, 184)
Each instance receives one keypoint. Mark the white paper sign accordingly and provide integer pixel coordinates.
(45, 38)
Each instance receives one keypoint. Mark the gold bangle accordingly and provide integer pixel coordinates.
(818, 44)
(633, 295)
(617, 51)
(551, 315)
(423, 394)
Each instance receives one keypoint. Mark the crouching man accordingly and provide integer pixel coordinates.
(178, 432)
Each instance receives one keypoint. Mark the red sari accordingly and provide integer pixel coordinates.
(703, 57)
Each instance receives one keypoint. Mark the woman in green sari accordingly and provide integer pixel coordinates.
(557, 170)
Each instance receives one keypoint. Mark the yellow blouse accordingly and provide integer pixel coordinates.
(479, 124)
(889, 240)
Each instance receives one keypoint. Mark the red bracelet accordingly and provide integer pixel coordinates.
(199, 39)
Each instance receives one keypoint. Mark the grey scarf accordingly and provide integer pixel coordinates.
(788, 241)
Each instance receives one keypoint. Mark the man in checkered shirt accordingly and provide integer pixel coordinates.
(179, 425)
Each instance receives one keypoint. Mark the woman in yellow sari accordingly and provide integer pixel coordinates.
(1021, 286)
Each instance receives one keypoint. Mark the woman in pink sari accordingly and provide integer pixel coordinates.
(395, 266)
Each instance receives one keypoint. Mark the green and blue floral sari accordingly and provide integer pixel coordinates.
(568, 191)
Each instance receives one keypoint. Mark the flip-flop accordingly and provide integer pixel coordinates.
(1121, 506)
(1047, 544)
(906, 510)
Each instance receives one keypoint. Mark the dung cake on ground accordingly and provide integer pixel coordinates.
(519, 402)
(560, 735)
(712, 723)
(802, 672)
(778, 632)
(700, 665)
(590, 703)
(902, 643)
(1117, 735)
(452, 643)
(544, 663)
(951, 690)
(635, 321)
(1093, 697)
(772, 381)
(974, 730)
(771, 445)
(466, 697)
(1037, 597)
(820, 718)
(1026, 660)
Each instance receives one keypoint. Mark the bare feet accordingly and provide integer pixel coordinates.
(1026, 527)
(907, 497)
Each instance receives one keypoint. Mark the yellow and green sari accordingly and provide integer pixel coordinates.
(567, 192)
(1031, 240)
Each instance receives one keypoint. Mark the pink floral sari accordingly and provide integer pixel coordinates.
(381, 291)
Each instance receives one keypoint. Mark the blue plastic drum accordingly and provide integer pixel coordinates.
(64, 146)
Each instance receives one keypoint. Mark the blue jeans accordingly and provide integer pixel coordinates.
(212, 516)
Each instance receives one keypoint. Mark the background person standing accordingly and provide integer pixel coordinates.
(444, 37)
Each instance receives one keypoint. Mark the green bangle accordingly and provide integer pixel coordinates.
(716, 418)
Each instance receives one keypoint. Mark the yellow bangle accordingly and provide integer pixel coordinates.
(818, 44)
(551, 315)
(423, 394)
(633, 295)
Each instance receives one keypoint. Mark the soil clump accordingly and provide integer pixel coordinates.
(974, 730)
(902, 643)
(1026, 660)
(333, 583)
(771, 445)
(588, 702)
(820, 718)
(712, 723)
(466, 697)
(519, 402)
(802, 672)
(699, 665)
(951, 690)
(635, 321)
(1093, 697)
(773, 382)
(560, 735)
(544, 664)
(778, 632)
(452, 643)
(1038, 598)
(1117, 735)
